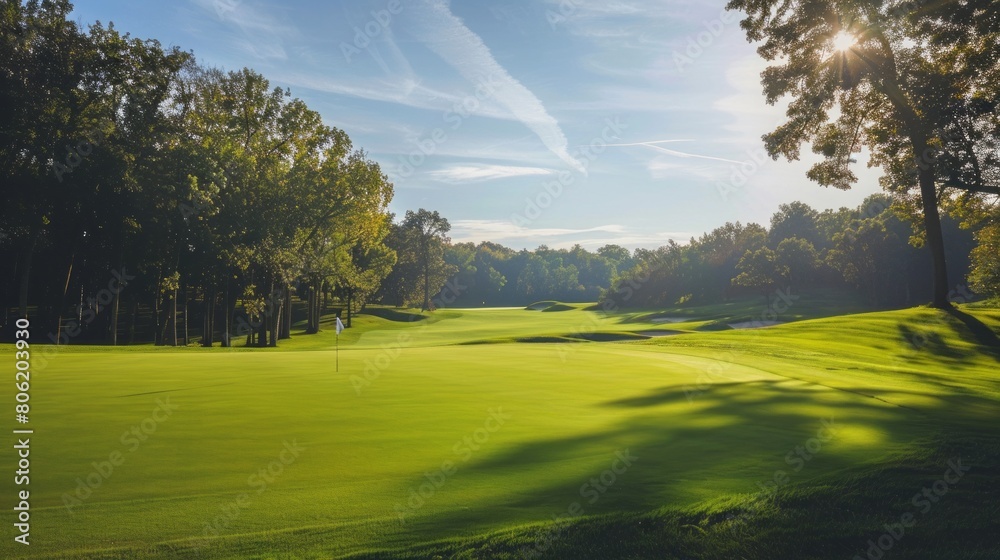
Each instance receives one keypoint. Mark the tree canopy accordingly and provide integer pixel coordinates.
(916, 83)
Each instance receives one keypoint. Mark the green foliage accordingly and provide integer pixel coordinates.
(758, 269)
(985, 275)
(919, 88)
(136, 158)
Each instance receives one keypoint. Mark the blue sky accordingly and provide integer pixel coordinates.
(526, 122)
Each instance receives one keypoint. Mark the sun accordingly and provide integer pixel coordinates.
(843, 41)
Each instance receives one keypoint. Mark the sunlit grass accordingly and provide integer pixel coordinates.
(708, 414)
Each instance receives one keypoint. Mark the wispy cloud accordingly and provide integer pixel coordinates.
(481, 230)
(260, 32)
(484, 172)
(654, 145)
(460, 47)
(507, 233)
(400, 91)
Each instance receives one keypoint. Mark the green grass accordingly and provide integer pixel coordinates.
(709, 415)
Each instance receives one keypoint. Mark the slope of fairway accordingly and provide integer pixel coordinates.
(422, 437)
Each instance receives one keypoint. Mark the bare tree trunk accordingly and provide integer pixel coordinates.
(208, 321)
(228, 310)
(427, 285)
(935, 236)
(286, 331)
(62, 301)
(173, 320)
(132, 321)
(350, 292)
(187, 297)
(157, 335)
(114, 318)
(29, 252)
(276, 315)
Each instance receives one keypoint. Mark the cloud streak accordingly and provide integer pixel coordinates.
(262, 35)
(558, 238)
(484, 172)
(654, 144)
(448, 37)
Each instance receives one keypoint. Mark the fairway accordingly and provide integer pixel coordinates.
(445, 428)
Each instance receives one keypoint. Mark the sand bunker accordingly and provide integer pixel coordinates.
(755, 324)
(659, 333)
(669, 320)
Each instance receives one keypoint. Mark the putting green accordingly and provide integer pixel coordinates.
(427, 432)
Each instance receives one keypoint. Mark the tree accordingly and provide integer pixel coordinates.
(797, 259)
(759, 269)
(985, 276)
(619, 256)
(795, 219)
(917, 84)
(868, 256)
(428, 231)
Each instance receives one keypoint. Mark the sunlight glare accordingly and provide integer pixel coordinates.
(843, 41)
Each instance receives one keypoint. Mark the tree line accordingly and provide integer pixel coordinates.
(872, 251)
(142, 190)
(868, 250)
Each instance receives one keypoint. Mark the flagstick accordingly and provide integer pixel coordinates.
(338, 352)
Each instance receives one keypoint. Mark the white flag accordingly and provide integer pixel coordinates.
(340, 326)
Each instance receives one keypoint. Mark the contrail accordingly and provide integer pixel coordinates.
(445, 34)
(652, 145)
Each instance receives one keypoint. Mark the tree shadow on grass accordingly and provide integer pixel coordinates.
(934, 343)
(733, 436)
(978, 332)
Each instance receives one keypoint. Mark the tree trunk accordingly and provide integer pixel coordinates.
(208, 324)
(62, 301)
(115, 304)
(349, 294)
(262, 332)
(187, 297)
(427, 286)
(22, 301)
(935, 237)
(286, 331)
(132, 321)
(157, 340)
(276, 316)
(173, 320)
(227, 308)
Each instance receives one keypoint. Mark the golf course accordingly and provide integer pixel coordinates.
(520, 280)
(558, 431)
